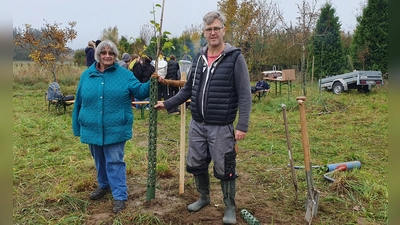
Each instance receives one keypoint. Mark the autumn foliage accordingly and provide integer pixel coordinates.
(48, 48)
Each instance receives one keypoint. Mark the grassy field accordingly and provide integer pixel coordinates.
(54, 172)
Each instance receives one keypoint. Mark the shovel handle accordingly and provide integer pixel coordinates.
(304, 132)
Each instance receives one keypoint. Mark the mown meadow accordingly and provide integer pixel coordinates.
(53, 173)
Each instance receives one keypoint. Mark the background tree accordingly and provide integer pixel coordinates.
(262, 37)
(301, 33)
(111, 33)
(230, 8)
(177, 49)
(166, 46)
(160, 42)
(193, 39)
(326, 44)
(369, 49)
(80, 57)
(146, 33)
(347, 38)
(187, 47)
(21, 52)
(49, 48)
(138, 46)
(124, 46)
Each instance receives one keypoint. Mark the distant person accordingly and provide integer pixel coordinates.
(162, 71)
(103, 118)
(89, 50)
(219, 89)
(173, 73)
(136, 67)
(97, 43)
(148, 70)
(125, 60)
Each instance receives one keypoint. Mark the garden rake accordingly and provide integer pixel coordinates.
(291, 161)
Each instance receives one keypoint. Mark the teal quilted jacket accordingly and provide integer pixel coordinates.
(102, 112)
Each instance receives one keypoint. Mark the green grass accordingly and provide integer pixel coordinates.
(53, 171)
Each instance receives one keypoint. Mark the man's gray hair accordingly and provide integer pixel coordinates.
(211, 16)
(102, 46)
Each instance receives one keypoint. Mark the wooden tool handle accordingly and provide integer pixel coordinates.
(286, 125)
(304, 132)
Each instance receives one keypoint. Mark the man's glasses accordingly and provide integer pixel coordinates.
(109, 53)
(211, 29)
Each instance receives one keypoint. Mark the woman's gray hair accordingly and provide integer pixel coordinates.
(102, 46)
(211, 16)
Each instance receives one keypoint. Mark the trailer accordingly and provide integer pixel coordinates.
(360, 80)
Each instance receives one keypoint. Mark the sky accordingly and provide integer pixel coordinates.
(93, 17)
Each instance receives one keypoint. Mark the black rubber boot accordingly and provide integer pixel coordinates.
(229, 192)
(203, 187)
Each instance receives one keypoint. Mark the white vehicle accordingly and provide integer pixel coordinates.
(360, 80)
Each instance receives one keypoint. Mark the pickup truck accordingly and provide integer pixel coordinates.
(360, 80)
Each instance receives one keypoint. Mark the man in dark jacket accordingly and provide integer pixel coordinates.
(147, 71)
(173, 73)
(219, 87)
(136, 67)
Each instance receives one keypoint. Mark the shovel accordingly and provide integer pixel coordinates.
(294, 176)
(312, 194)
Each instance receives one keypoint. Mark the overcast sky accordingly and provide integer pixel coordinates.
(94, 16)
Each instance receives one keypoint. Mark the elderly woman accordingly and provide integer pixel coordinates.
(103, 118)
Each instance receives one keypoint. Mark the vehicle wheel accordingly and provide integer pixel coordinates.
(337, 88)
(366, 88)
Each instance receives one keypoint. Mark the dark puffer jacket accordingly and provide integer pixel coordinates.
(172, 70)
(217, 91)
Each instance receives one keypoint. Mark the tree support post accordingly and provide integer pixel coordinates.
(152, 152)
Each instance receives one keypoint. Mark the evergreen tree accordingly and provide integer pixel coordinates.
(124, 46)
(369, 49)
(326, 44)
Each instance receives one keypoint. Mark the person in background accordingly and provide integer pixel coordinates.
(97, 43)
(136, 67)
(162, 71)
(148, 70)
(89, 50)
(218, 86)
(125, 60)
(173, 73)
(102, 117)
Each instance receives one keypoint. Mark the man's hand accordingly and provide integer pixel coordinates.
(159, 105)
(239, 135)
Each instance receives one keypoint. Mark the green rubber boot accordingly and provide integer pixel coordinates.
(229, 192)
(203, 187)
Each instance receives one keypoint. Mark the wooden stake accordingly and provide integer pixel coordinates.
(182, 144)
